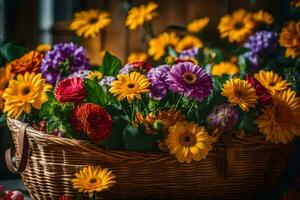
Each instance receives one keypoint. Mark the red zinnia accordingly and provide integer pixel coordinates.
(70, 90)
(141, 66)
(263, 94)
(93, 120)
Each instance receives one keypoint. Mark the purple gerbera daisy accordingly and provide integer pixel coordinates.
(62, 60)
(157, 77)
(190, 80)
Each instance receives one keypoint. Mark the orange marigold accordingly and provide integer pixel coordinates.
(29, 62)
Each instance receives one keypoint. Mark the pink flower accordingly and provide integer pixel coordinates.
(13, 195)
(70, 90)
(263, 94)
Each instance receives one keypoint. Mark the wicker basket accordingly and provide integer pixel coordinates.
(235, 169)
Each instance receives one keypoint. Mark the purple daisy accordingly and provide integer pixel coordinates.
(259, 43)
(80, 74)
(62, 60)
(224, 117)
(190, 80)
(189, 53)
(157, 77)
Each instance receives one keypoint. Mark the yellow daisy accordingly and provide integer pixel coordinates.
(158, 45)
(130, 86)
(93, 179)
(137, 16)
(240, 92)
(29, 90)
(289, 39)
(137, 57)
(224, 68)
(162, 121)
(280, 121)
(5, 77)
(189, 141)
(272, 81)
(197, 25)
(43, 48)
(263, 17)
(188, 42)
(95, 75)
(88, 23)
(236, 27)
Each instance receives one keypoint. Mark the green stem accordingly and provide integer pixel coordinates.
(132, 113)
(181, 96)
(191, 107)
(124, 109)
(146, 106)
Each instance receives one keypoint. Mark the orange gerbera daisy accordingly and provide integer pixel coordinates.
(30, 62)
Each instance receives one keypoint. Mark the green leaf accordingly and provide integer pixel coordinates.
(111, 65)
(11, 51)
(95, 93)
(172, 52)
(247, 121)
(242, 63)
(46, 110)
(136, 140)
(52, 124)
(200, 55)
(115, 141)
(3, 118)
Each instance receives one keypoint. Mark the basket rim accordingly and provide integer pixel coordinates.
(85, 144)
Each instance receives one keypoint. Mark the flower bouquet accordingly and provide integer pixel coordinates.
(215, 118)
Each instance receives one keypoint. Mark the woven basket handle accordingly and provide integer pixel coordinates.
(230, 155)
(23, 152)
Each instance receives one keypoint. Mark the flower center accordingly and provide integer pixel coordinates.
(189, 78)
(188, 140)
(238, 25)
(94, 20)
(131, 85)
(272, 83)
(26, 90)
(93, 180)
(238, 93)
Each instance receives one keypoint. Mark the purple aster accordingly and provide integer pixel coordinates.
(157, 77)
(189, 53)
(190, 80)
(141, 66)
(224, 117)
(80, 74)
(107, 80)
(62, 60)
(259, 43)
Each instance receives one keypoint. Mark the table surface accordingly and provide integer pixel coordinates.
(14, 185)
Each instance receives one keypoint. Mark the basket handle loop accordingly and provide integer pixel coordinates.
(230, 156)
(23, 151)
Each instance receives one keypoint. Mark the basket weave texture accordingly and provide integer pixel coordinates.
(254, 166)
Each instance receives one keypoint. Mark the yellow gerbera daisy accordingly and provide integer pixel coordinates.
(197, 25)
(263, 17)
(289, 39)
(95, 75)
(130, 86)
(43, 48)
(189, 141)
(240, 92)
(162, 121)
(5, 77)
(93, 179)
(272, 81)
(224, 68)
(137, 16)
(280, 121)
(88, 23)
(137, 57)
(158, 45)
(188, 42)
(29, 90)
(237, 27)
